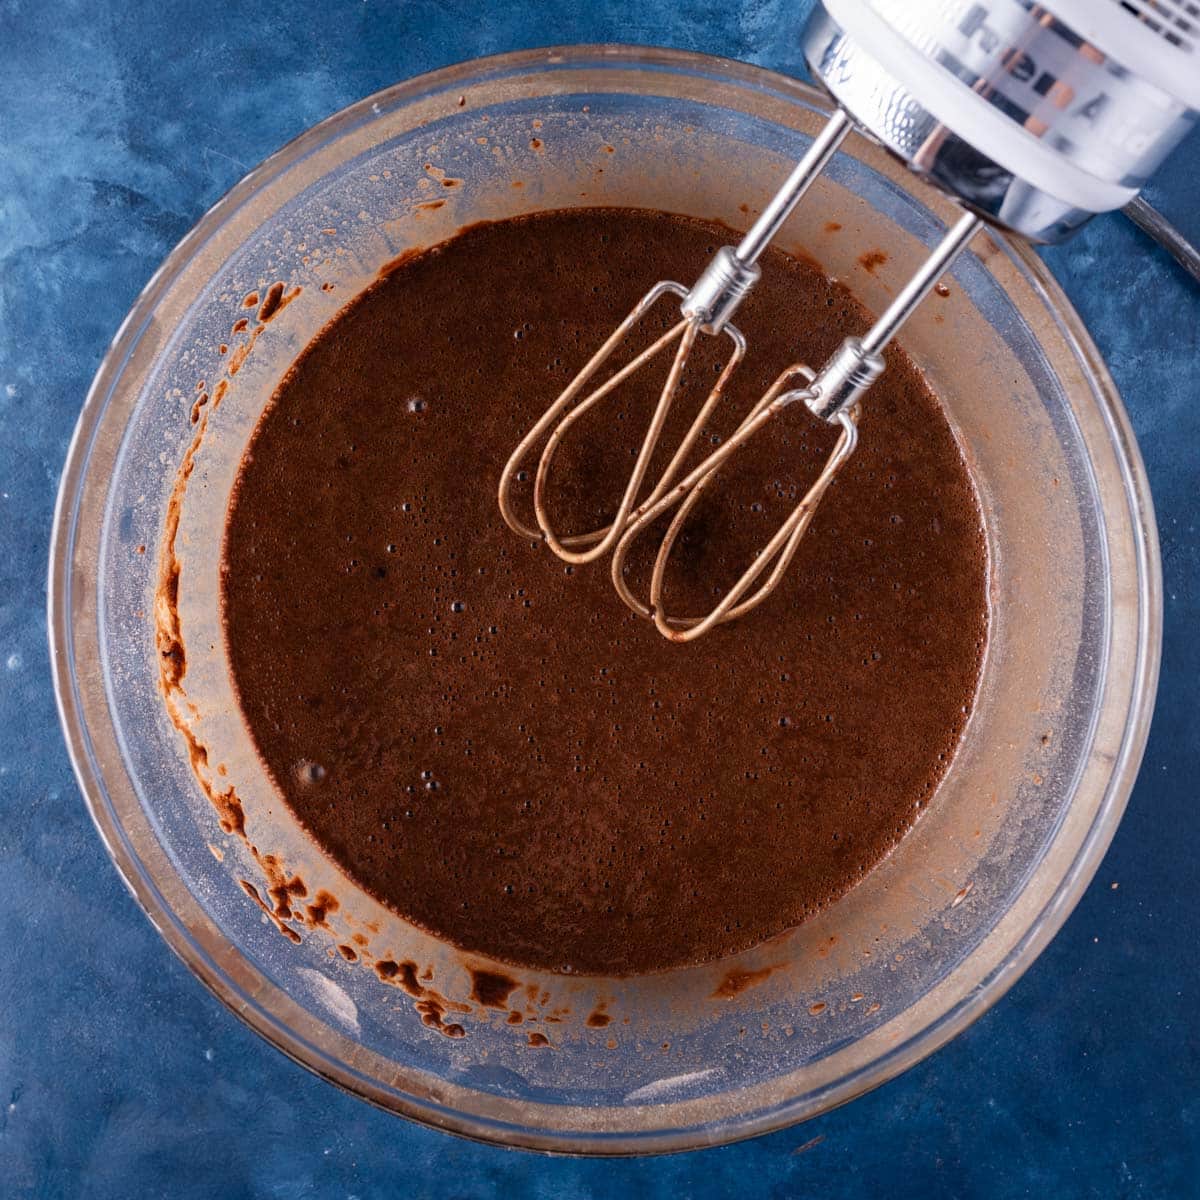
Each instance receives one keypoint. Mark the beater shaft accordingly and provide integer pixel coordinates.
(858, 362)
(783, 203)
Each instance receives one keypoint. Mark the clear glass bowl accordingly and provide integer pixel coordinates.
(913, 954)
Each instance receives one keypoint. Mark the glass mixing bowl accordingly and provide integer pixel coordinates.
(690, 1057)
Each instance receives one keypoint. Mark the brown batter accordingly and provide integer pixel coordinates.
(488, 741)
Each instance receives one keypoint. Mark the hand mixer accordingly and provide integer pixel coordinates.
(1033, 117)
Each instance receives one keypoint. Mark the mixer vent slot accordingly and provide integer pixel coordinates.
(1175, 21)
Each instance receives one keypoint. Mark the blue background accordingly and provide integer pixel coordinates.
(120, 123)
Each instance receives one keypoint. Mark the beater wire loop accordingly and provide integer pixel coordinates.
(684, 496)
(558, 420)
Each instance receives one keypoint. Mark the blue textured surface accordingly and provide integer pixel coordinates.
(119, 1075)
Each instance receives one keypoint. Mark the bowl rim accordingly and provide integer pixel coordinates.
(62, 616)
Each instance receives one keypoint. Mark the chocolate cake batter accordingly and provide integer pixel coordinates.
(489, 741)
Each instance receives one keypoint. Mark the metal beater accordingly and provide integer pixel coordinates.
(707, 308)
(1034, 117)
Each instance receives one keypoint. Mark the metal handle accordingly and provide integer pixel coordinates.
(1151, 222)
